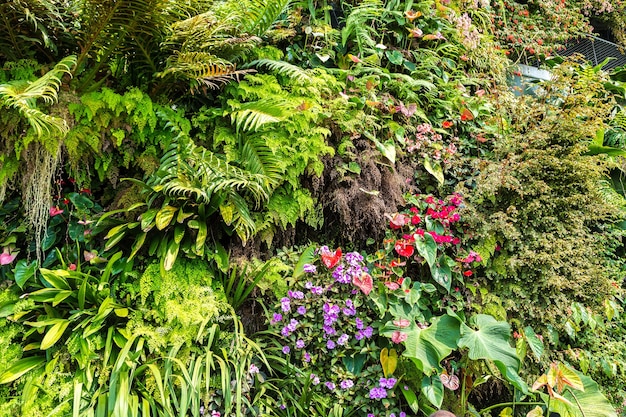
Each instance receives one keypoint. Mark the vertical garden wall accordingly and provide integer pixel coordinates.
(309, 208)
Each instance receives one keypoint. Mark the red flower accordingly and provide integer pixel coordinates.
(468, 273)
(404, 248)
(72, 267)
(466, 115)
(330, 259)
(415, 219)
(398, 221)
(447, 124)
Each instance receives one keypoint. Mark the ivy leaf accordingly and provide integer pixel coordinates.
(491, 341)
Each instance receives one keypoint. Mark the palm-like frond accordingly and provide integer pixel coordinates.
(22, 95)
(284, 68)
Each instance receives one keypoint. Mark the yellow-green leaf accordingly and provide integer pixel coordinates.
(164, 216)
(389, 361)
(20, 367)
(54, 334)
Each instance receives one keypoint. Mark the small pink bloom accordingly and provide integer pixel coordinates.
(392, 285)
(55, 211)
(6, 257)
(72, 267)
(398, 337)
(402, 322)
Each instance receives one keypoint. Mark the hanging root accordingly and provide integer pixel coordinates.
(41, 166)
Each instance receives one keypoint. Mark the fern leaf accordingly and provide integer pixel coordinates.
(252, 116)
(263, 14)
(284, 68)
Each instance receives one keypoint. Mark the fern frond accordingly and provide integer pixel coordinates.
(258, 158)
(359, 23)
(264, 13)
(22, 96)
(253, 115)
(284, 68)
(610, 195)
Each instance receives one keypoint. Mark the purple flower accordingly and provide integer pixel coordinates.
(309, 268)
(298, 295)
(286, 350)
(302, 310)
(371, 415)
(387, 383)
(307, 357)
(343, 339)
(349, 310)
(299, 344)
(368, 332)
(346, 384)
(277, 318)
(330, 345)
(359, 323)
(354, 258)
(377, 393)
(282, 406)
(315, 380)
(402, 414)
(285, 305)
(317, 290)
(341, 276)
(285, 332)
(329, 331)
(359, 335)
(392, 415)
(253, 369)
(308, 285)
(293, 325)
(329, 385)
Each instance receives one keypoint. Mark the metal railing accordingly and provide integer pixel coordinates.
(596, 50)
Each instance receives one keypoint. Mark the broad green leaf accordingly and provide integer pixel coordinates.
(81, 201)
(428, 347)
(56, 278)
(221, 257)
(434, 168)
(535, 344)
(171, 255)
(164, 216)
(411, 399)
(441, 273)
(387, 149)
(307, 257)
(147, 219)
(427, 248)
(389, 361)
(24, 271)
(592, 402)
(115, 230)
(354, 364)
(179, 233)
(491, 341)
(21, 367)
(139, 241)
(432, 388)
(54, 334)
(395, 57)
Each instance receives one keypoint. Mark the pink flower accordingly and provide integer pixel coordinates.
(55, 211)
(6, 257)
(402, 322)
(72, 267)
(398, 337)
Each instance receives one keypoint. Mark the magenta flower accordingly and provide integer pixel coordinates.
(54, 211)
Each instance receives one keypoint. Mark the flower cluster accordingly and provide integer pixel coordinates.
(430, 144)
(324, 321)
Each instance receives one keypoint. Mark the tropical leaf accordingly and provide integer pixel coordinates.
(490, 341)
(428, 347)
(22, 95)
